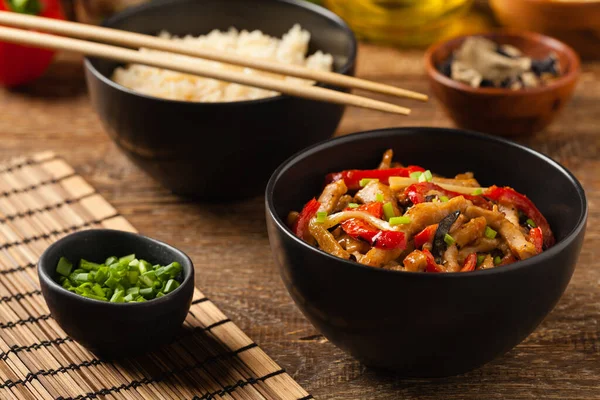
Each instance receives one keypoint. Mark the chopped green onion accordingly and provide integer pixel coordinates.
(388, 211)
(477, 192)
(129, 298)
(428, 175)
(353, 205)
(415, 175)
(147, 292)
(444, 199)
(365, 181)
(321, 216)
(83, 277)
(98, 290)
(400, 220)
(117, 297)
(422, 177)
(133, 290)
(64, 267)
(490, 233)
(171, 285)
(449, 239)
(159, 294)
(88, 266)
(127, 259)
(133, 276)
(480, 259)
(531, 223)
(111, 260)
(497, 260)
(379, 197)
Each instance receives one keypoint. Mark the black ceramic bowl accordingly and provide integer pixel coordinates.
(115, 329)
(424, 324)
(195, 148)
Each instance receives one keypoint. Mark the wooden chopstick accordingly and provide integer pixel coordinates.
(137, 40)
(43, 40)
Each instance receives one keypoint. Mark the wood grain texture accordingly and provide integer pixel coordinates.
(229, 245)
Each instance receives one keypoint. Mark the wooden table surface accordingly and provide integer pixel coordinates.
(229, 245)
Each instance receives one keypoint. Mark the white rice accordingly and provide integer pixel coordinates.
(292, 48)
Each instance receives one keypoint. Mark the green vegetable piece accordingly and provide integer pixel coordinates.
(388, 211)
(171, 285)
(490, 233)
(416, 175)
(321, 216)
(140, 299)
(98, 290)
(133, 277)
(159, 294)
(111, 260)
(428, 176)
(129, 298)
(148, 278)
(134, 263)
(147, 293)
(531, 223)
(379, 197)
(117, 297)
(497, 260)
(449, 239)
(101, 275)
(82, 277)
(400, 221)
(477, 192)
(365, 181)
(444, 199)
(88, 265)
(353, 205)
(480, 258)
(133, 290)
(127, 259)
(111, 282)
(64, 267)
(143, 268)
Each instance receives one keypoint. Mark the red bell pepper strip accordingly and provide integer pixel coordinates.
(23, 64)
(386, 240)
(417, 192)
(425, 236)
(374, 208)
(308, 212)
(470, 263)
(353, 177)
(432, 266)
(511, 196)
(536, 237)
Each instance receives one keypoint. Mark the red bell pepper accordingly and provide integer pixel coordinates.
(386, 240)
(353, 177)
(508, 259)
(470, 263)
(511, 196)
(417, 192)
(374, 208)
(432, 266)
(536, 237)
(308, 212)
(21, 64)
(425, 236)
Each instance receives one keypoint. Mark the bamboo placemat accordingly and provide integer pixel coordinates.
(43, 199)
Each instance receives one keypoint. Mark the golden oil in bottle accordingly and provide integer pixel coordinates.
(401, 22)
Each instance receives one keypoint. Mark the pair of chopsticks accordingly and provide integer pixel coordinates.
(70, 30)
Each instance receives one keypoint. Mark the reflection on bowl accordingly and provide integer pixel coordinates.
(196, 148)
(423, 324)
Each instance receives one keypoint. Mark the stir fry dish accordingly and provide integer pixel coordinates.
(406, 218)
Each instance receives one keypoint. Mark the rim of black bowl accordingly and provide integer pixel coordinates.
(322, 11)
(558, 247)
(51, 282)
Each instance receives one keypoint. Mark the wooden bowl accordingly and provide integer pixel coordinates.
(502, 111)
(574, 22)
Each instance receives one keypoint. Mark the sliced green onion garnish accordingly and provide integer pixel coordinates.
(428, 175)
(531, 223)
(353, 205)
(416, 175)
(399, 220)
(449, 239)
(477, 192)
(171, 285)
(480, 259)
(111, 260)
(388, 211)
(422, 177)
(64, 267)
(321, 216)
(88, 266)
(365, 181)
(490, 233)
(444, 199)
(379, 197)
(117, 297)
(127, 259)
(497, 260)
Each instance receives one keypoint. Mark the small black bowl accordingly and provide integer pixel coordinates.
(195, 148)
(115, 329)
(422, 324)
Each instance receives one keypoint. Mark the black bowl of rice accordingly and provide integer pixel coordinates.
(193, 134)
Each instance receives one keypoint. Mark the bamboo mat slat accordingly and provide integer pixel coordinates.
(43, 199)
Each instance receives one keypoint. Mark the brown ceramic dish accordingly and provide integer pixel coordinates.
(503, 111)
(574, 22)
